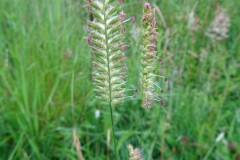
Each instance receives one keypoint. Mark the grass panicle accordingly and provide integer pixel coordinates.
(134, 154)
(108, 59)
(105, 40)
(148, 55)
(219, 28)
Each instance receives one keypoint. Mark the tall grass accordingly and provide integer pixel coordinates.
(44, 94)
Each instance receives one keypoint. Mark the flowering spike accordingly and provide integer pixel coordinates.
(218, 30)
(148, 55)
(105, 40)
(122, 16)
(147, 6)
(134, 154)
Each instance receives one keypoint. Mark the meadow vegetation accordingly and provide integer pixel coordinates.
(48, 107)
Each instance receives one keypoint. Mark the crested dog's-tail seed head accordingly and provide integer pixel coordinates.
(105, 40)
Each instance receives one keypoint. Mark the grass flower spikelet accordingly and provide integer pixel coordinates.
(219, 28)
(105, 41)
(134, 154)
(148, 55)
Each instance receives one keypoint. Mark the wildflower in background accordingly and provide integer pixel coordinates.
(134, 154)
(219, 28)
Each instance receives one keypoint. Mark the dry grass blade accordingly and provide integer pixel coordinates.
(108, 142)
(77, 144)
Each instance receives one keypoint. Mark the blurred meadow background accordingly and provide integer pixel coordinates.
(48, 108)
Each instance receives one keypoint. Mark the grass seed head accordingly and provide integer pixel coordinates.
(134, 154)
(219, 28)
(148, 55)
(105, 40)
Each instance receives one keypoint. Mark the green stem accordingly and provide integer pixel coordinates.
(113, 131)
(109, 76)
(110, 87)
(142, 118)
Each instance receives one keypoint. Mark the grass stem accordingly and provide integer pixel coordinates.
(113, 132)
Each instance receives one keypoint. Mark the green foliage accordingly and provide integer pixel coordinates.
(46, 90)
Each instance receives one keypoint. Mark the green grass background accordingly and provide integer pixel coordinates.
(44, 95)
